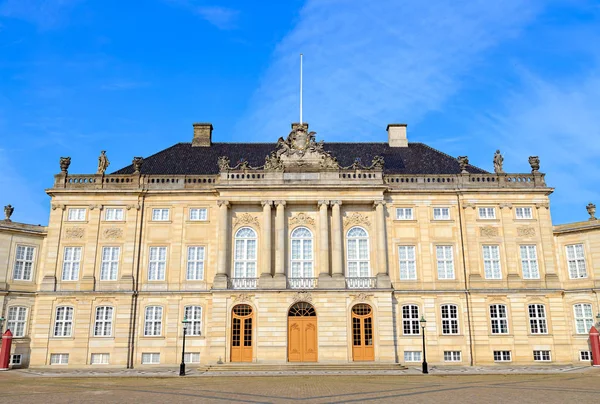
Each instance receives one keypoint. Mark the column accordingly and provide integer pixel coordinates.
(323, 239)
(336, 244)
(280, 245)
(383, 279)
(266, 238)
(220, 281)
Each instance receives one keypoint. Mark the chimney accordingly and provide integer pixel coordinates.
(397, 135)
(202, 135)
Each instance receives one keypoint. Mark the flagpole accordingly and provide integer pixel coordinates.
(300, 89)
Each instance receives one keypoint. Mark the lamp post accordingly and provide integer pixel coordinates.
(423, 323)
(185, 323)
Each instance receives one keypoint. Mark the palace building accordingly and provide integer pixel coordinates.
(299, 251)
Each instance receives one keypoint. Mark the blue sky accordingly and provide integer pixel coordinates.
(130, 77)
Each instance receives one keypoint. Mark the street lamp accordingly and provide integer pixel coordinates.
(185, 323)
(423, 324)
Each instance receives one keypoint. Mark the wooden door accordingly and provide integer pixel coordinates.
(362, 333)
(302, 333)
(241, 333)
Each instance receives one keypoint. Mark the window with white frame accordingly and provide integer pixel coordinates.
(449, 319)
(157, 263)
(584, 319)
(537, 319)
(150, 358)
(585, 356)
(76, 215)
(23, 268)
(487, 213)
(17, 320)
(404, 214)
(160, 215)
(412, 356)
(195, 264)
(193, 314)
(114, 214)
(63, 321)
(302, 253)
(153, 321)
(410, 320)
(541, 356)
(407, 262)
(109, 267)
(100, 359)
(445, 261)
(452, 356)
(491, 262)
(198, 214)
(523, 213)
(502, 356)
(529, 262)
(358, 252)
(244, 264)
(441, 213)
(71, 264)
(499, 319)
(16, 360)
(59, 359)
(191, 357)
(576, 261)
(104, 321)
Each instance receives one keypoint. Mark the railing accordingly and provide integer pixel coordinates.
(134, 181)
(462, 181)
(243, 283)
(302, 283)
(361, 282)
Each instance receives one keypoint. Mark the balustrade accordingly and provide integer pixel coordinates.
(361, 282)
(243, 283)
(302, 283)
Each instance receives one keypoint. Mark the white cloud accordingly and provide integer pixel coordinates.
(221, 17)
(46, 14)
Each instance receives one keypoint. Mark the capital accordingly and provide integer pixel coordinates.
(223, 203)
(379, 203)
(506, 205)
(266, 203)
(339, 203)
(321, 203)
(280, 203)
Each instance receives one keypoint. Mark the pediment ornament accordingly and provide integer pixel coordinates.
(242, 297)
(302, 219)
(302, 297)
(357, 219)
(246, 219)
(362, 297)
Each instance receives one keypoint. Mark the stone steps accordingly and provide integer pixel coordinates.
(300, 367)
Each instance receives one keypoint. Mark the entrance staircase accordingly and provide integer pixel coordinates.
(302, 367)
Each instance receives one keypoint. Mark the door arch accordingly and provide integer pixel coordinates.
(302, 333)
(242, 329)
(362, 333)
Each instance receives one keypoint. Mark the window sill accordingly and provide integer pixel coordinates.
(160, 222)
(487, 220)
(442, 221)
(450, 335)
(77, 221)
(114, 221)
(99, 337)
(189, 221)
(500, 335)
(406, 220)
(150, 337)
(62, 338)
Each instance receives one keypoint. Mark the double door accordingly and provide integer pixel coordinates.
(241, 334)
(362, 333)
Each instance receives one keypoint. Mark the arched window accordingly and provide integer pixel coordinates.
(245, 253)
(358, 252)
(302, 253)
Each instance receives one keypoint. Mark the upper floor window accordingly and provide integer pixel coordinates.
(244, 265)
(17, 319)
(104, 320)
(198, 214)
(537, 319)
(71, 264)
(109, 267)
(23, 269)
(529, 262)
(193, 314)
(302, 253)
(406, 258)
(410, 320)
(358, 252)
(441, 213)
(487, 213)
(499, 319)
(63, 322)
(160, 215)
(157, 264)
(113, 214)
(584, 319)
(523, 213)
(76, 215)
(404, 214)
(195, 264)
(576, 261)
(491, 262)
(449, 319)
(445, 262)
(153, 321)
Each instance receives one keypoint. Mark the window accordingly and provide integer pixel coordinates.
(160, 215)
(523, 213)
(195, 264)
(487, 213)
(491, 262)
(113, 214)
(449, 319)
(76, 215)
(452, 356)
(406, 257)
(576, 261)
(412, 356)
(541, 356)
(584, 319)
(194, 315)
(23, 263)
(63, 324)
(585, 356)
(302, 253)
(441, 213)
(100, 359)
(17, 318)
(104, 320)
(529, 262)
(502, 356)
(71, 263)
(445, 262)
(537, 319)
(150, 358)
(358, 252)
(404, 214)
(59, 359)
(410, 320)
(245, 253)
(157, 263)
(198, 214)
(153, 321)
(191, 357)
(499, 319)
(109, 268)
(16, 360)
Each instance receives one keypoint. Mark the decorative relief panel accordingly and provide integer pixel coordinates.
(489, 231)
(242, 297)
(302, 219)
(302, 297)
(362, 297)
(75, 232)
(246, 219)
(357, 219)
(112, 233)
(525, 232)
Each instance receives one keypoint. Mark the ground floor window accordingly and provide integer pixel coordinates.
(15, 360)
(412, 356)
(59, 359)
(585, 356)
(541, 356)
(100, 358)
(502, 356)
(192, 357)
(152, 358)
(452, 356)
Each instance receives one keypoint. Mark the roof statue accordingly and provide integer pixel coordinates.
(534, 162)
(591, 209)
(300, 149)
(498, 161)
(8, 211)
(65, 162)
(103, 163)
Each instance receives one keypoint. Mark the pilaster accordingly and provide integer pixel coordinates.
(220, 281)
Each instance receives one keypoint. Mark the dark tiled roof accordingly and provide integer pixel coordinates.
(182, 158)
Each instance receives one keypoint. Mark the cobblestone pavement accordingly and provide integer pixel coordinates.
(552, 387)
